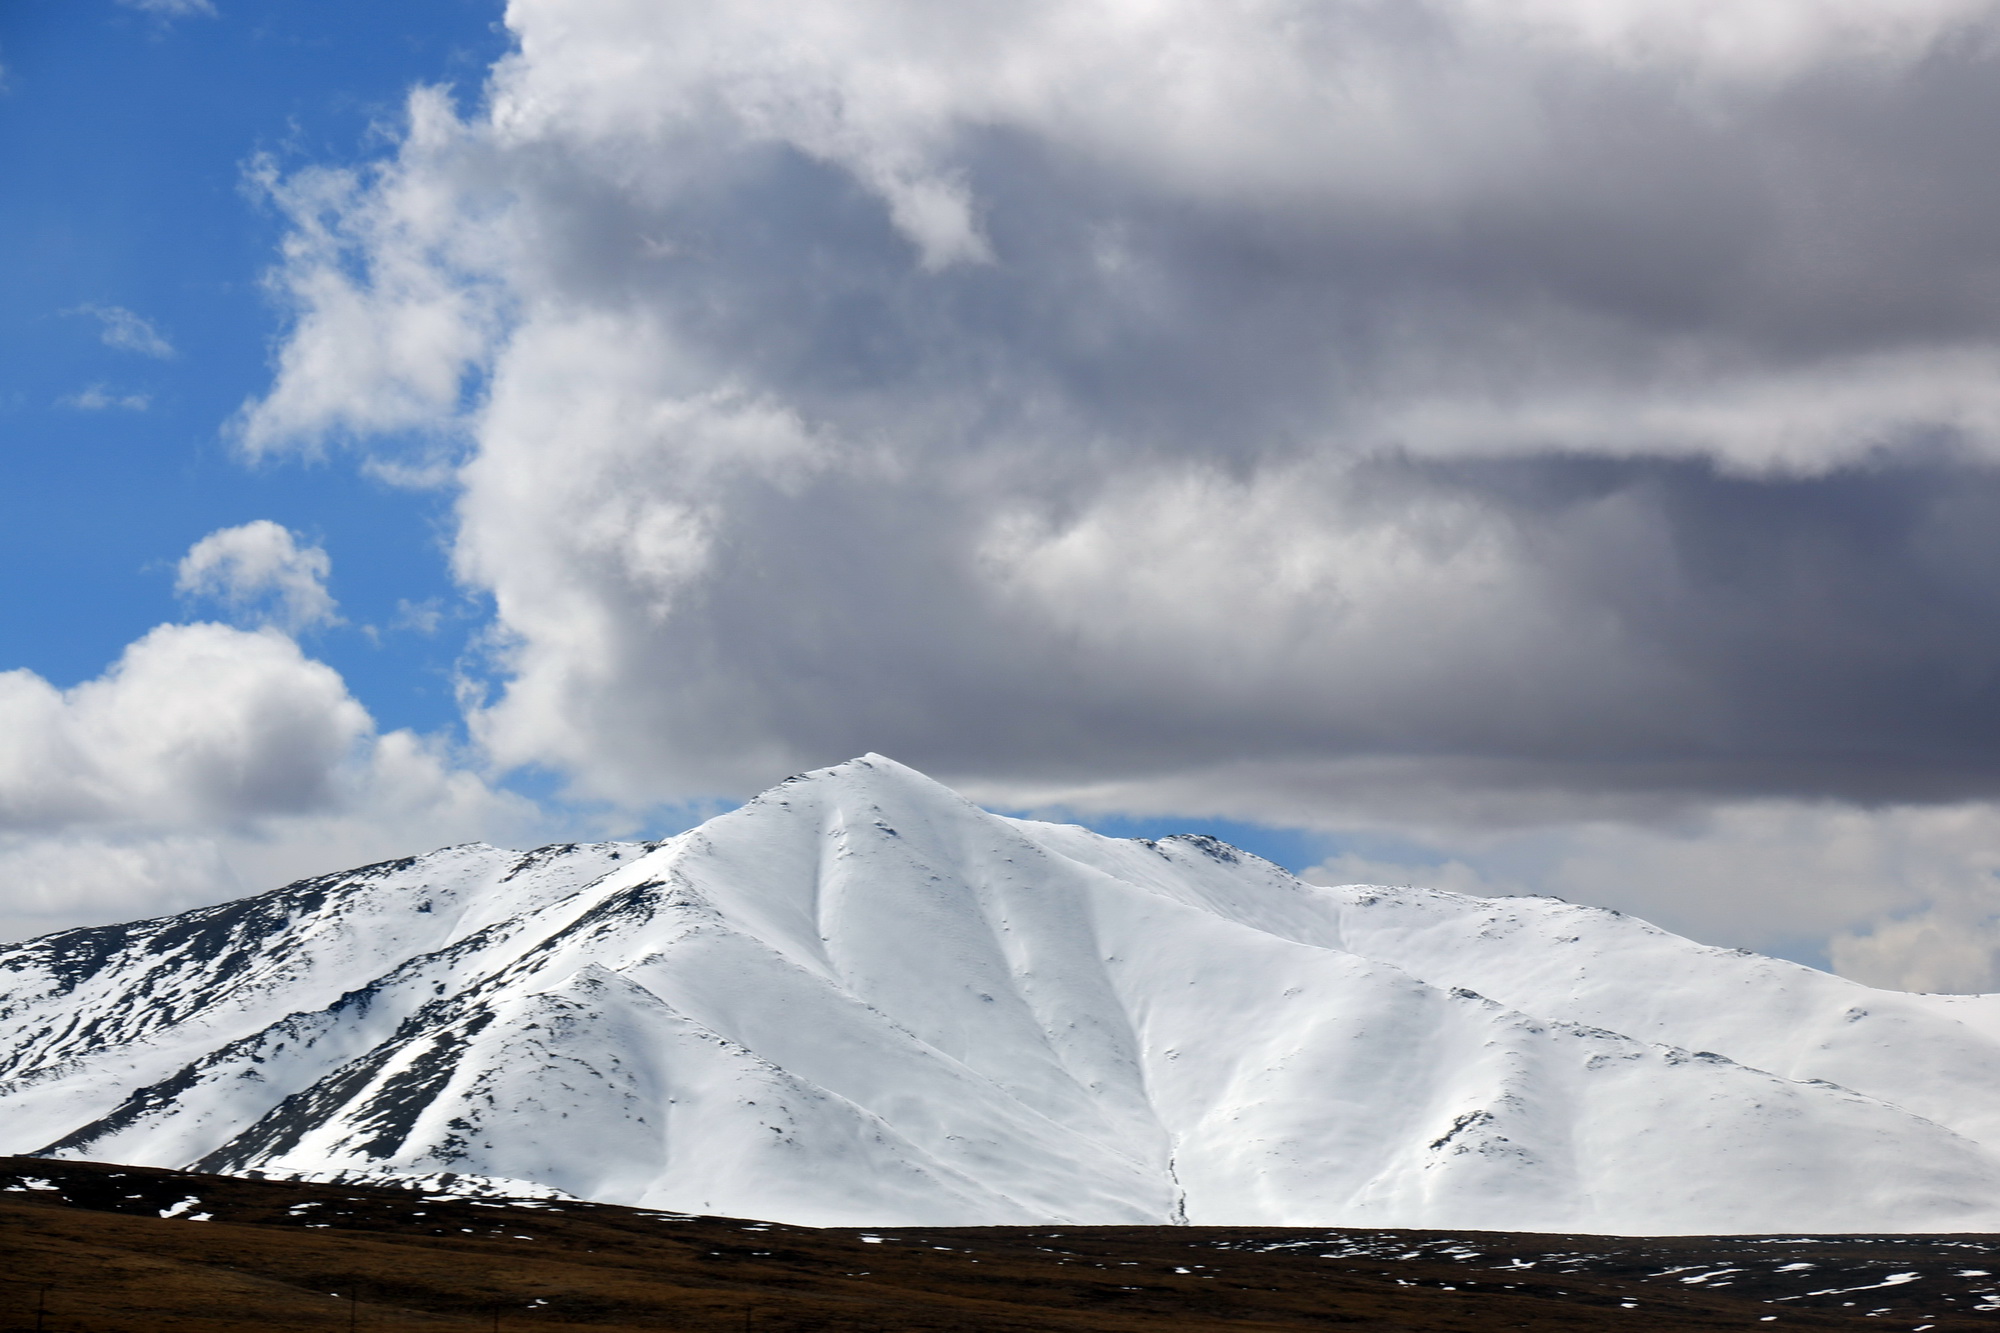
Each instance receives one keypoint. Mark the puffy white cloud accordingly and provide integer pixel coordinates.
(209, 761)
(1508, 415)
(260, 569)
(194, 723)
(387, 284)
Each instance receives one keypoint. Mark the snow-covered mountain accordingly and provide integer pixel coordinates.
(860, 999)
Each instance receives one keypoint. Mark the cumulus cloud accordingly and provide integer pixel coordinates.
(195, 723)
(259, 569)
(127, 332)
(209, 761)
(1506, 414)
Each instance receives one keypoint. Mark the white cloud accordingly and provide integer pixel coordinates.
(209, 762)
(260, 569)
(97, 398)
(129, 333)
(391, 309)
(195, 723)
(1516, 416)
(1274, 114)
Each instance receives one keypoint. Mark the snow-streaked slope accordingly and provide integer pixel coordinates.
(1933, 1055)
(859, 999)
(88, 1015)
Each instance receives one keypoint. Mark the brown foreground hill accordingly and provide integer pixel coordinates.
(93, 1248)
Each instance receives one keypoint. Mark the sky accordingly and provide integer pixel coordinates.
(1515, 446)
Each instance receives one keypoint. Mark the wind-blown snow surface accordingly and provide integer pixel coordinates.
(860, 999)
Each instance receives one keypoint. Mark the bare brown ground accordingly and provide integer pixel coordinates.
(90, 1247)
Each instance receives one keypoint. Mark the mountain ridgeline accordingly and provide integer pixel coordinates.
(860, 1000)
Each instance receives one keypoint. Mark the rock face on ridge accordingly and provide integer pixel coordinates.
(861, 1000)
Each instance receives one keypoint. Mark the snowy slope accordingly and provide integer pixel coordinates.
(859, 999)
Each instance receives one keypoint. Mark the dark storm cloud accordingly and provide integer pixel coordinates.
(1842, 631)
(1714, 635)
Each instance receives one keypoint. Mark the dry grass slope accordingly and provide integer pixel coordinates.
(89, 1242)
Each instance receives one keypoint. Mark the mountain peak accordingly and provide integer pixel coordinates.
(865, 775)
(861, 999)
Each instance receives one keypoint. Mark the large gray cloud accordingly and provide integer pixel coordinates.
(1461, 412)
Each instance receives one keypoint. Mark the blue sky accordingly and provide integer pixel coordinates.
(1567, 468)
(127, 138)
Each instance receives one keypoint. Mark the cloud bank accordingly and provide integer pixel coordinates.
(1435, 418)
